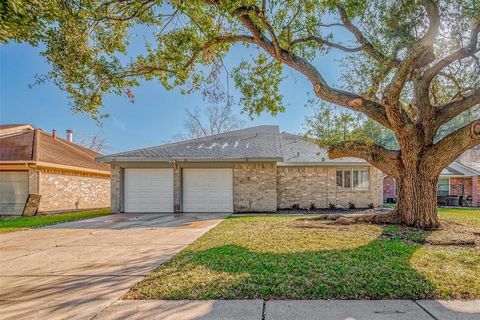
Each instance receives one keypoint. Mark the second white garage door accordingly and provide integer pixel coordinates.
(148, 190)
(207, 190)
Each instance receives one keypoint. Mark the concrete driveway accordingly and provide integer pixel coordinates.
(74, 270)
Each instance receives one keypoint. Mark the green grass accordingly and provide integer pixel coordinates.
(284, 257)
(11, 224)
(463, 216)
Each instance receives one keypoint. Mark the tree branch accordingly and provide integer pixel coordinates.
(451, 147)
(447, 112)
(420, 54)
(218, 40)
(460, 54)
(386, 160)
(366, 45)
(322, 42)
(372, 109)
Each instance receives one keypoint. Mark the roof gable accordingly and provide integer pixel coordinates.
(17, 147)
(40, 147)
(459, 169)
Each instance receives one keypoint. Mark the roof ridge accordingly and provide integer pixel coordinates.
(34, 145)
(191, 140)
(465, 166)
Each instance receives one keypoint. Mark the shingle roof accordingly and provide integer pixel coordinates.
(37, 145)
(259, 143)
(298, 150)
(9, 126)
(459, 169)
(17, 147)
(255, 142)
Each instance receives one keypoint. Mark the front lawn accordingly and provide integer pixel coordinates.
(10, 224)
(295, 257)
(468, 216)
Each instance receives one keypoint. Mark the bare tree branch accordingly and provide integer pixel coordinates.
(214, 119)
(97, 142)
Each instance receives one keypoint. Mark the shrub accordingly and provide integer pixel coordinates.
(313, 206)
(351, 205)
(296, 206)
(332, 206)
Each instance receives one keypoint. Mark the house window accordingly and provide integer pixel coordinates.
(353, 179)
(443, 188)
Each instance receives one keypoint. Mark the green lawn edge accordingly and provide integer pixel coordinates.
(14, 224)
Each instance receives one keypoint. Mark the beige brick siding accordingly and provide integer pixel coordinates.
(262, 187)
(33, 181)
(115, 188)
(302, 186)
(177, 188)
(255, 187)
(63, 190)
(306, 185)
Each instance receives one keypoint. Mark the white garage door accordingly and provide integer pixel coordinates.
(13, 192)
(148, 190)
(207, 190)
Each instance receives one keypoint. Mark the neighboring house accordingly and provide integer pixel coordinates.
(257, 169)
(65, 174)
(471, 158)
(458, 179)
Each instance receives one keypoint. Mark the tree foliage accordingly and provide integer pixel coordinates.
(332, 126)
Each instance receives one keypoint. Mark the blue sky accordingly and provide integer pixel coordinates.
(155, 117)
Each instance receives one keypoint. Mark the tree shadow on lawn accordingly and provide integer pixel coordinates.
(380, 269)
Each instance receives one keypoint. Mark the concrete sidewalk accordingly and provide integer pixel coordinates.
(292, 309)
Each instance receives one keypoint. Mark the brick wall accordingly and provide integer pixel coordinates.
(456, 183)
(255, 187)
(115, 188)
(302, 186)
(389, 188)
(63, 190)
(307, 185)
(476, 191)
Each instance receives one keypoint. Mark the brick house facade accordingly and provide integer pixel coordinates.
(268, 171)
(458, 179)
(64, 174)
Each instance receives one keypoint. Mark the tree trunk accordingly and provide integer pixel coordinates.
(417, 200)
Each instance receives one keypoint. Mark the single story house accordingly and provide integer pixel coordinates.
(64, 174)
(458, 179)
(256, 169)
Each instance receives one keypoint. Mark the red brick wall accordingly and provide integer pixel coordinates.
(476, 191)
(388, 188)
(456, 182)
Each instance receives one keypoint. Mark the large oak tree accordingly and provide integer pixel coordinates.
(412, 67)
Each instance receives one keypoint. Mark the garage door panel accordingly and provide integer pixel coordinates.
(208, 190)
(148, 190)
(13, 192)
